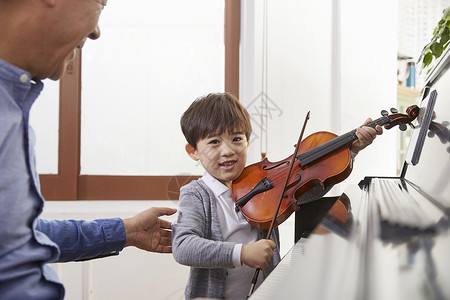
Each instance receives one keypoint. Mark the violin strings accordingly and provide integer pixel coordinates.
(325, 148)
(330, 146)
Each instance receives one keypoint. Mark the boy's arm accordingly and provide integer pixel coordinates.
(190, 245)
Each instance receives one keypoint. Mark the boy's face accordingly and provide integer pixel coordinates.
(223, 156)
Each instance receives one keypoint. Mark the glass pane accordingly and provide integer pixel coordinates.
(44, 119)
(152, 60)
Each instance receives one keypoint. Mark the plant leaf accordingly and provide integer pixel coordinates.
(437, 49)
(427, 59)
(445, 36)
(446, 14)
(439, 42)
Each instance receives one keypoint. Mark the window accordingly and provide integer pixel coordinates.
(121, 99)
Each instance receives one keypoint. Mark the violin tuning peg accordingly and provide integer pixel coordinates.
(384, 113)
(402, 127)
(394, 110)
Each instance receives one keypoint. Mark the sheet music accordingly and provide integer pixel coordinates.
(424, 120)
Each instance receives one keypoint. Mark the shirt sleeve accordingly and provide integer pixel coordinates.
(237, 255)
(84, 240)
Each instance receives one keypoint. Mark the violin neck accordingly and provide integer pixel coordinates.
(329, 147)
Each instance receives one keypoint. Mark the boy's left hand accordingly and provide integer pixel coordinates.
(365, 135)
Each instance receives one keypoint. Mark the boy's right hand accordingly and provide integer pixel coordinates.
(258, 254)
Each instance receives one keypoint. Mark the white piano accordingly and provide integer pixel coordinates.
(395, 242)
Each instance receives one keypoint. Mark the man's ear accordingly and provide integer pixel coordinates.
(192, 152)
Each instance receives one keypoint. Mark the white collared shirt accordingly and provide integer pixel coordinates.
(235, 228)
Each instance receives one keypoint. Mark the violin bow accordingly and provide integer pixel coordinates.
(272, 223)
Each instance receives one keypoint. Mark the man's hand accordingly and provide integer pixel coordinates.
(258, 254)
(365, 135)
(148, 232)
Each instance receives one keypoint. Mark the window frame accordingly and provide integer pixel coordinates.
(68, 184)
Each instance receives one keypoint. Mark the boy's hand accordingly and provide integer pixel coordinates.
(258, 254)
(365, 135)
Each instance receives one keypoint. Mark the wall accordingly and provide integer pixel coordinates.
(133, 274)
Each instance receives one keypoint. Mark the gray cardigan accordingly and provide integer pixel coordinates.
(197, 242)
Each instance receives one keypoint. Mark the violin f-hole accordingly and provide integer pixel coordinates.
(265, 168)
(294, 183)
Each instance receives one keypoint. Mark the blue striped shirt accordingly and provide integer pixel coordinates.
(28, 243)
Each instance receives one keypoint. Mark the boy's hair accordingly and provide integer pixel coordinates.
(214, 114)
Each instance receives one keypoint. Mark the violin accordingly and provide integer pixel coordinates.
(320, 161)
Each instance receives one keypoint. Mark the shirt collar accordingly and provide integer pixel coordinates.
(215, 185)
(20, 79)
(11, 72)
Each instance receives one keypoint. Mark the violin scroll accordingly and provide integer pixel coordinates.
(401, 119)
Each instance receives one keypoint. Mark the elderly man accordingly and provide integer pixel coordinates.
(38, 38)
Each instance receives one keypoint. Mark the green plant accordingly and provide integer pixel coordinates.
(439, 42)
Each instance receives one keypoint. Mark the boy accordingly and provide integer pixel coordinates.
(210, 236)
